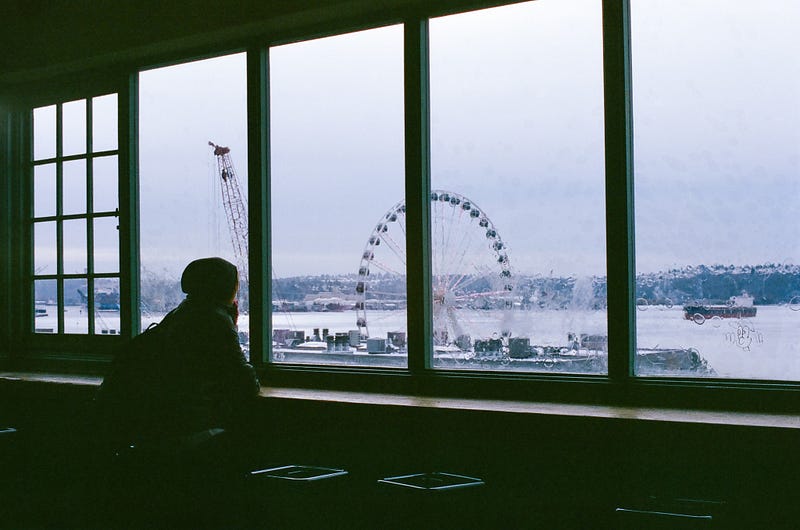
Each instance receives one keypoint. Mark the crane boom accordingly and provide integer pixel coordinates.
(235, 208)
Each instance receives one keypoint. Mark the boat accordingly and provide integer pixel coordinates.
(736, 307)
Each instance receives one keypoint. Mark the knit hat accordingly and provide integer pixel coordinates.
(212, 279)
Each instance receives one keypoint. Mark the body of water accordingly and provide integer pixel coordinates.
(766, 346)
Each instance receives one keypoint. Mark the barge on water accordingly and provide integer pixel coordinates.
(737, 307)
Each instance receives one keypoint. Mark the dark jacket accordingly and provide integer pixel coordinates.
(188, 375)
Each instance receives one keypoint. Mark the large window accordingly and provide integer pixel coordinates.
(717, 160)
(517, 208)
(76, 279)
(336, 200)
(193, 201)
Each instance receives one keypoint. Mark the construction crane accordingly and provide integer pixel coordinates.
(236, 212)
(235, 208)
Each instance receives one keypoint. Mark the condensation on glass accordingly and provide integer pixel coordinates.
(517, 206)
(186, 196)
(717, 160)
(75, 215)
(337, 200)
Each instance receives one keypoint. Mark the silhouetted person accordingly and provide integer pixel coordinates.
(187, 379)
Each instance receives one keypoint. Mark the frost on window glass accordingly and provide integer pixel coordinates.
(717, 159)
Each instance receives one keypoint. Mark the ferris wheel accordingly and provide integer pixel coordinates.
(472, 279)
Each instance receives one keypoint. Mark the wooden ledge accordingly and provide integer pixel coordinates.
(690, 416)
(741, 419)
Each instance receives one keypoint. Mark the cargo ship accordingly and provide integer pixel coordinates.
(736, 307)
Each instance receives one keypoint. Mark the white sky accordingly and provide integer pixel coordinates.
(516, 111)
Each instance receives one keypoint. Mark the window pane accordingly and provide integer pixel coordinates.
(105, 196)
(44, 248)
(104, 123)
(74, 187)
(183, 210)
(717, 151)
(517, 212)
(76, 315)
(74, 127)
(75, 246)
(338, 226)
(106, 245)
(106, 306)
(44, 132)
(46, 307)
(44, 190)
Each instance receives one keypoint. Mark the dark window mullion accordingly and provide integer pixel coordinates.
(619, 189)
(128, 137)
(26, 263)
(89, 220)
(417, 189)
(259, 211)
(59, 222)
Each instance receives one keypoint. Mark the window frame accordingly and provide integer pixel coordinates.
(65, 351)
(620, 386)
(59, 217)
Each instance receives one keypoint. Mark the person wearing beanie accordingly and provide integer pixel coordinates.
(187, 377)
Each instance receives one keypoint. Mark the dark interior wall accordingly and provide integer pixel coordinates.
(540, 471)
(42, 38)
(42, 33)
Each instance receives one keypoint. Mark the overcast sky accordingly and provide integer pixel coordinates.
(516, 112)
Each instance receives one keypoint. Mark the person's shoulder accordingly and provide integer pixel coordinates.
(203, 317)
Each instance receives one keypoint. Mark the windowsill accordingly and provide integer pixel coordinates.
(611, 412)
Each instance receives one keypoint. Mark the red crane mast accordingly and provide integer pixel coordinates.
(235, 208)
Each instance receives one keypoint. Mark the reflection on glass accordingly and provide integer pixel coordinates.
(46, 306)
(44, 190)
(104, 181)
(717, 193)
(76, 311)
(74, 187)
(75, 246)
(104, 123)
(182, 208)
(517, 211)
(44, 132)
(339, 296)
(44, 248)
(106, 306)
(106, 244)
(74, 127)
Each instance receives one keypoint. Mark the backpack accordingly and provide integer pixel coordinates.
(129, 399)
